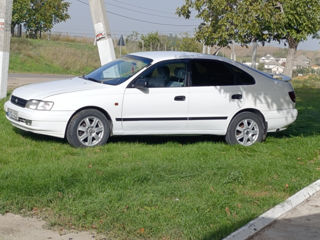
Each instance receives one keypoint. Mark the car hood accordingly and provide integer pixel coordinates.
(47, 89)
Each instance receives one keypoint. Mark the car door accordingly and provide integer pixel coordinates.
(157, 102)
(215, 95)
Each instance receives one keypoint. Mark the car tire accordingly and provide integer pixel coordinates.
(88, 128)
(246, 129)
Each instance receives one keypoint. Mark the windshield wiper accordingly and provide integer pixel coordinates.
(91, 79)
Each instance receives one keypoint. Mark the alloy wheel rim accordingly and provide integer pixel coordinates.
(90, 131)
(247, 132)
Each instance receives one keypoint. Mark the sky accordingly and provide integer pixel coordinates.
(143, 16)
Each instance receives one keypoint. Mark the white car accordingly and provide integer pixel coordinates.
(157, 93)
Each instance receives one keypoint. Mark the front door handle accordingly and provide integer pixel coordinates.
(236, 96)
(180, 98)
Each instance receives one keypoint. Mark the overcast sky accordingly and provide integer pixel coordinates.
(143, 16)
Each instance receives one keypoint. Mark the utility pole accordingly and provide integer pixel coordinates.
(102, 31)
(204, 48)
(233, 52)
(254, 55)
(5, 35)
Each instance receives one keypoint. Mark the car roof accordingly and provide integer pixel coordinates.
(158, 56)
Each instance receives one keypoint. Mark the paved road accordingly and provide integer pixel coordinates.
(19, 79)
(301, 223)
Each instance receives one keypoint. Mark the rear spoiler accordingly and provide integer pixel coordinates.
(282, 77)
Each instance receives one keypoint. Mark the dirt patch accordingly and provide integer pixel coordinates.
(15, 227)
(18, 79)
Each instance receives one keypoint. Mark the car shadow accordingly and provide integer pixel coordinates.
(184, 140)
(141, 139)
(225, 230)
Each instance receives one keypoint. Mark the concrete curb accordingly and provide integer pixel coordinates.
(273, 214)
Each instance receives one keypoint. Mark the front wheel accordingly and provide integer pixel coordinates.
(88, 128)
(245, 129)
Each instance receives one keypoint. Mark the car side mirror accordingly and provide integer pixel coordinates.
(141, 83)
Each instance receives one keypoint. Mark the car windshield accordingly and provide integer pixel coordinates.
(118, 71)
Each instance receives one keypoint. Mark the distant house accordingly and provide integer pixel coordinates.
(315, 67)
(282, 61)
(271, 64)
(277, 70)
(249, 64)
(267, 59)
(277, 65)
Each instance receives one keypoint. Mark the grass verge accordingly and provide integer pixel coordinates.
(159, 187)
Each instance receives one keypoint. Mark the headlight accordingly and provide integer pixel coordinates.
(39, 105)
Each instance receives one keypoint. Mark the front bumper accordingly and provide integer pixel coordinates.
(52, 123)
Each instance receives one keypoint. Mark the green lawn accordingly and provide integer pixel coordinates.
(159, 187)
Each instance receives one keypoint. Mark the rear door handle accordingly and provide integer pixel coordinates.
(236, 96)
(180, 98)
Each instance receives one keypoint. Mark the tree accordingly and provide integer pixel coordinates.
(297, 20)
(19, 13)
(133, 37)
(39, 15)
(255, 20)
(189, 44)
(151, 40)
(226, 20)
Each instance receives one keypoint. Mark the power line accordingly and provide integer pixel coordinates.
(150, 14)
(83, 2)
(119, 33)
(141, 20)
(155, 23)
(139, 7)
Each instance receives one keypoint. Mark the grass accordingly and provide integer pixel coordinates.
(159, 187)
(58, 57)
(61, 55)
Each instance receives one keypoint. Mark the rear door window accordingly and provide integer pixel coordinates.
(218, 73)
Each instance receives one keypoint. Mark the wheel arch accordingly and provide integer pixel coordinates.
(104, 112)
(252, 110)
(231, 140)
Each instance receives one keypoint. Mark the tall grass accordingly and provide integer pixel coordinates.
(41, 56)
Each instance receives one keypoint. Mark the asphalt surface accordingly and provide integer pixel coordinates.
(301, 223)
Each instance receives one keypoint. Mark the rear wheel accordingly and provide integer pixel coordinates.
(245, 129)
(88, 128)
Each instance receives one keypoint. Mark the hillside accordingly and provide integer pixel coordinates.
(43, 56)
